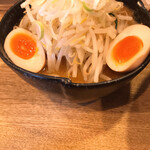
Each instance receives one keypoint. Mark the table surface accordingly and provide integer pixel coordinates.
(31, 120)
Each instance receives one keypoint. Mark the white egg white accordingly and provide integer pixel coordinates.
(140, 31)
(34, 64)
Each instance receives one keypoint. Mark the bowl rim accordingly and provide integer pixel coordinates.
(63, 80)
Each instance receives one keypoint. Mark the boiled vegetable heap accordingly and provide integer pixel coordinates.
(78, 30)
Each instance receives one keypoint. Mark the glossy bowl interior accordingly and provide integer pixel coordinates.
(63, 87)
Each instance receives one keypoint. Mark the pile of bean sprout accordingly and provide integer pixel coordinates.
(78, 30)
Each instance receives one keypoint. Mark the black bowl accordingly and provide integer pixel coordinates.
(63, 87)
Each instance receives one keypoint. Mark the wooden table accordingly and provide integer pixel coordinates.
(31, 120)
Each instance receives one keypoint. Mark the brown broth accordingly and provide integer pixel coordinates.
(130, 13)
(63, 73)
(79, 79)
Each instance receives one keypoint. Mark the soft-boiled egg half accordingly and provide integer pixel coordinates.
(23, 49)
(129, 49)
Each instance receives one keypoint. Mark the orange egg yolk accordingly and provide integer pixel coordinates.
(23, 45)
(126, 49)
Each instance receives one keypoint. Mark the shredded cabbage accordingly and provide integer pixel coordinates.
(79, 30)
